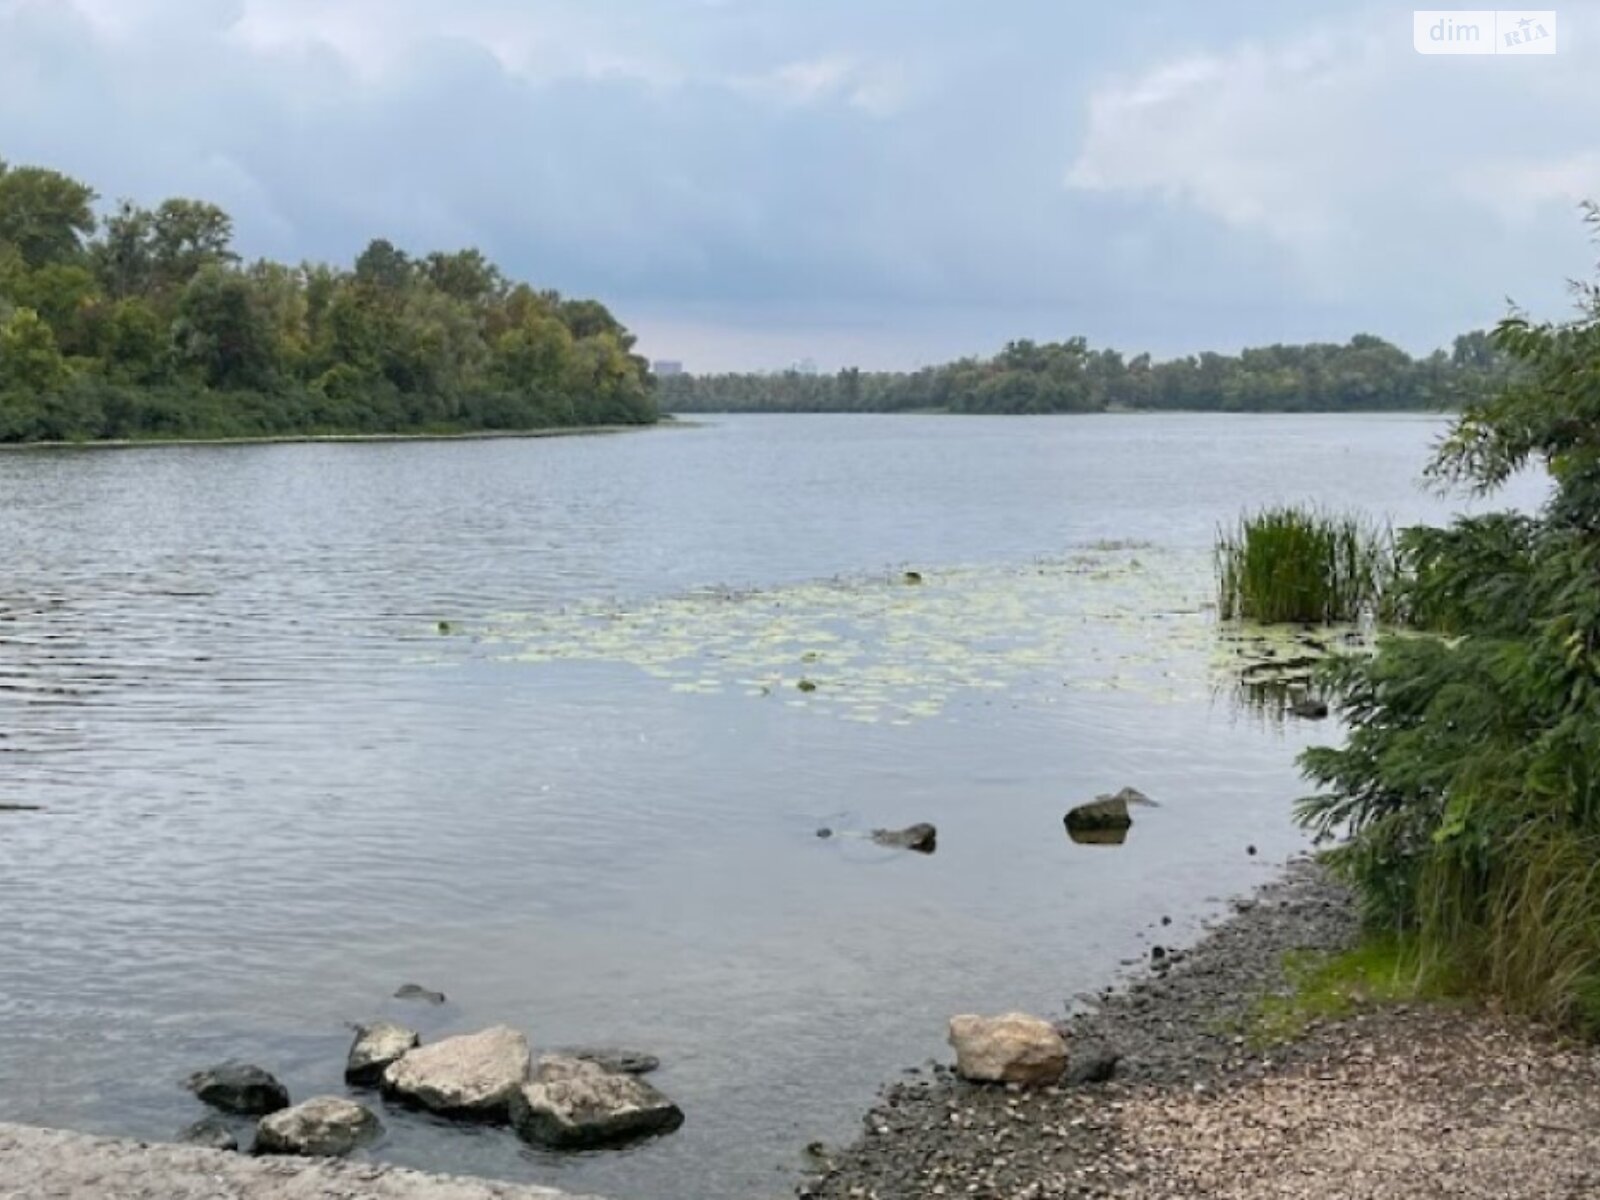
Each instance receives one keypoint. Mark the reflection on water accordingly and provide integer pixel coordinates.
(276, 787)
(1099, 837)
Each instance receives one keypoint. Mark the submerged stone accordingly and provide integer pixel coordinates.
(1308, 709)
(239, 1088)
(622, 1062)
(922, 838)
(413, 991)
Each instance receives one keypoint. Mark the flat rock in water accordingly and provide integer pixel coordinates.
(376, 1047)
(324, 1127)
(413, 991)
(239, 1088)
(210, 1133)
(622, 1062)
(922, 838)
(1015, 1048)
(574, 1104)
(474, 1075)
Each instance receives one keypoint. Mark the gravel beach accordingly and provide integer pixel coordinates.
(1406, 1101)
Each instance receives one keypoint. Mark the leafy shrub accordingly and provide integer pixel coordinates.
(1468, 791)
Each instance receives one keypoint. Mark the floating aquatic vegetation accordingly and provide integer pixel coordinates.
(875, 650)
(1267, 670)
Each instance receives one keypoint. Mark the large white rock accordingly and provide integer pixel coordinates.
(376, 1047)
(1015, 1048)
(574, 1104)
(324, 1127)
(473, 1075)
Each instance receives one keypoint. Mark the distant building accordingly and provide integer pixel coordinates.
(667, 366)
(806, 366)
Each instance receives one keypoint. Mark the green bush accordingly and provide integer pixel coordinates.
(1468, 792)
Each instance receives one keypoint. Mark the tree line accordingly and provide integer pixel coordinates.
(1367, 374)
(146, 323)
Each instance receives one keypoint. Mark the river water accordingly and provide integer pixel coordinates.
(522, 721)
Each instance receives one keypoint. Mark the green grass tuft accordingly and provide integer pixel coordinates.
(1300, 564)
(1327, 987)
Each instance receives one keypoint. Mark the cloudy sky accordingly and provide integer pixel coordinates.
(881, 182)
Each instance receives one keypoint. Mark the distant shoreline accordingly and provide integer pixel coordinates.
(296, 439)
(687, 416)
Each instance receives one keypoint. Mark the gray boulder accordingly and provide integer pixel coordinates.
(210, 1133)
(474, 1075)
(325, 1127)
(574, 1104)
(376, 1047)
(239, 1088)
(922, 838)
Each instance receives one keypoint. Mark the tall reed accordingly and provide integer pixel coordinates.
(1300, 564)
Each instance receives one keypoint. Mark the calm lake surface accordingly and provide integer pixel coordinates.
(275, 789)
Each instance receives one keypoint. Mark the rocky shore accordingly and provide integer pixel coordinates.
(1410, 1101)
(46, 1164)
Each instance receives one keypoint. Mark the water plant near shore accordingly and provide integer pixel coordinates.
(1299, 564)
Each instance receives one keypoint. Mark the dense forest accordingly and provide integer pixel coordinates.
(146, 324)
(1367, 375)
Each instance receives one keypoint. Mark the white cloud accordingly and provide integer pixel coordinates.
(534, 39)
(1265, 139)
(878, 89)
(1522, 191)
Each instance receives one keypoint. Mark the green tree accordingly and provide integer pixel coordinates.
(44, 214)
(30, 360)
(139, 348)
(64, 294)
(222, 332)
(465, 275)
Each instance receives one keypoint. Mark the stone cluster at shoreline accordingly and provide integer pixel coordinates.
(578, 1100)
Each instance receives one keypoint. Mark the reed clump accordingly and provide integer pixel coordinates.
(1301, 564)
